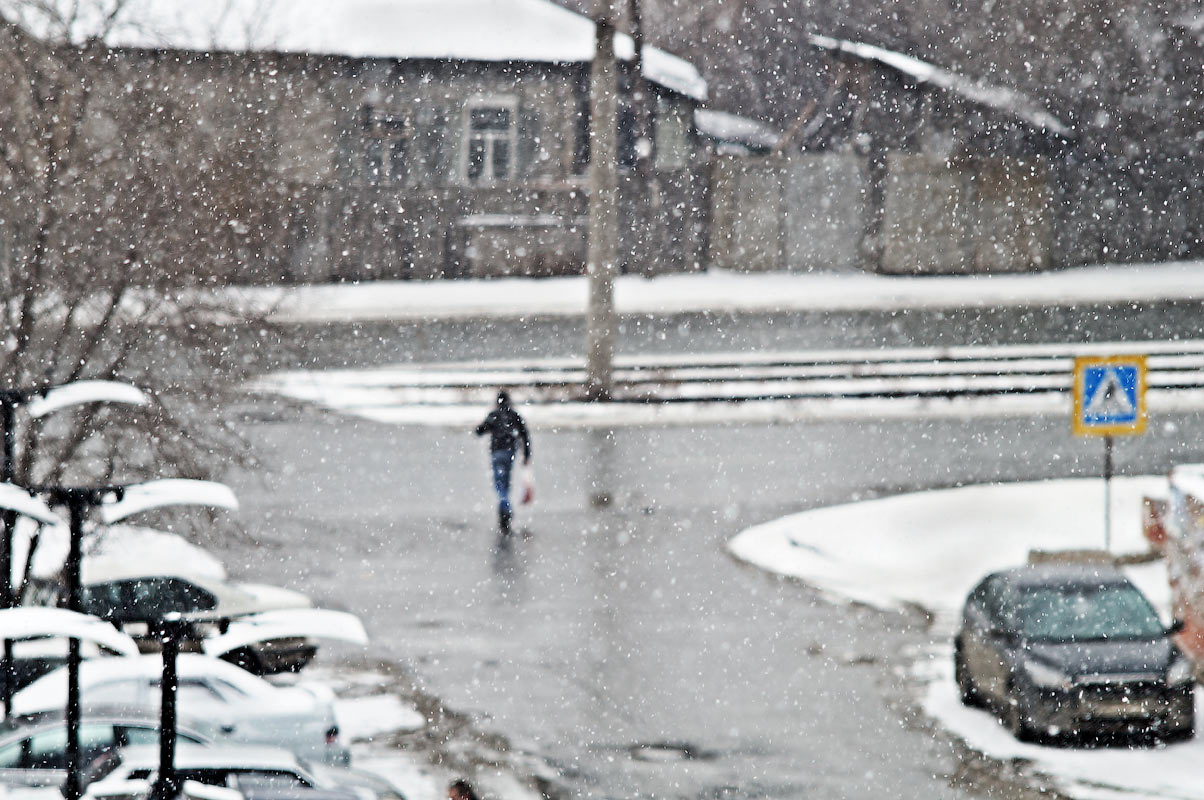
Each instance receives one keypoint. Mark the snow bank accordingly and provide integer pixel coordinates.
(723, 292)
(930, 548)
(365, 718)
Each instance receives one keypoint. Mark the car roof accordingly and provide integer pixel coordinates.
(143, 668)
(1064, 575)
(107, 570)
(150, 665)
(108, 712)
(216, 756)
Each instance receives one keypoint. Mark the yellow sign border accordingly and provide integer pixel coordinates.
(1135, 427)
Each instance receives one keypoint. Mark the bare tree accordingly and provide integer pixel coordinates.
(116, 208)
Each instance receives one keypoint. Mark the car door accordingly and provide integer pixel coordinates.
(998, 638)
(40, 759)
(976, 645)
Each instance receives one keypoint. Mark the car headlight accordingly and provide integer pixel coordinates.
(1181, 671)
(1045, 676)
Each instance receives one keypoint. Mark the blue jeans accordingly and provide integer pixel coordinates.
(503, 464)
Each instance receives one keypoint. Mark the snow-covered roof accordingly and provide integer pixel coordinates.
(466, 30)
(287, 623)
(168, 492)
(997, 97)
(37, 622)
(16, 498)
(724, 127)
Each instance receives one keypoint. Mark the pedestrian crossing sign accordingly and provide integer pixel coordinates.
(1109, 395)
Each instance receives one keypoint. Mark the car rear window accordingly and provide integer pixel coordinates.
(273, 780)
(1077, 613)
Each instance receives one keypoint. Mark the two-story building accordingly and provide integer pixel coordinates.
(421, 138)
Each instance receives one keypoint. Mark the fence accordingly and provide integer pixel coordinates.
(907, 214)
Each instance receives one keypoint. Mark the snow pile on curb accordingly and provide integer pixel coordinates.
(721, 291)
(929, 548)
(365, 718)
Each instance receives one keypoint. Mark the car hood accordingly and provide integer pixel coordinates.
(1116, 657)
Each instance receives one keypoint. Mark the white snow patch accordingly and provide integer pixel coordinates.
(365, 718)
(997, 97)
(721, 291)
(127, 544)
(930, 548)
(15, 498)
(36, 623)
(723, 126)
(81, 392)
(408, 773)
(168, 492)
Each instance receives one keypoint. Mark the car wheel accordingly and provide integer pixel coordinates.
(1014, 719)
(965, 682)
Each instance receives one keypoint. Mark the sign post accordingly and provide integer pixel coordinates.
(1109, 400)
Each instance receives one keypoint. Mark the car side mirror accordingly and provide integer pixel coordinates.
(1177, 626)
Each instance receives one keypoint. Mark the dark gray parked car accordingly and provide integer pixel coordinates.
(33, 747)
(1064, 650)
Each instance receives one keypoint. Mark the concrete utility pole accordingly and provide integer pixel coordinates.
(602, 260)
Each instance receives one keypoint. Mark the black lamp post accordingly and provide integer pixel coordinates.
(117, 503)
(79, 501)
(170, 630)
(8, 418)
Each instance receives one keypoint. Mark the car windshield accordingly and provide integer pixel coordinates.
(1065, 613)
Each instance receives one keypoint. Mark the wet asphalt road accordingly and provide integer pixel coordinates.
(383, 343)
(620, 625)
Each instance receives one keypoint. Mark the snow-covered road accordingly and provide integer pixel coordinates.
(691, 389)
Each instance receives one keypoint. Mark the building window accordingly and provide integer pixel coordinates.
(386, 145)
(489, 142)
(672, 134)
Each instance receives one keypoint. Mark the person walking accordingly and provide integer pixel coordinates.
(506, 431)
(461, 790)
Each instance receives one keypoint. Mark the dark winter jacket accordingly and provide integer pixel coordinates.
(506, 429)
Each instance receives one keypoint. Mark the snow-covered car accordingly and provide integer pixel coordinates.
(244, 707)
(39, 637)
(142, 790)
(1061, 649)
(127, 595)
(258, 773)
(33, 748)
